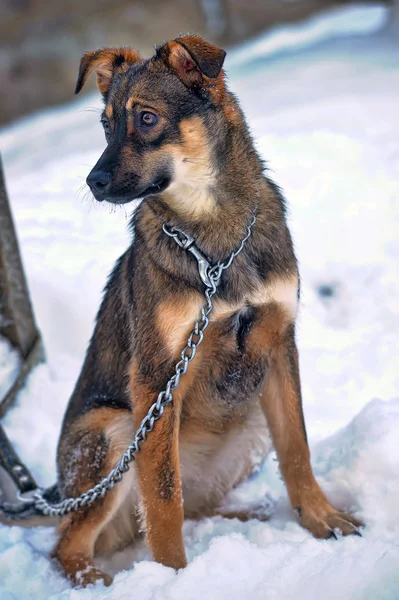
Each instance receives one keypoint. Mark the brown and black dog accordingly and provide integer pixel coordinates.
(177, 138)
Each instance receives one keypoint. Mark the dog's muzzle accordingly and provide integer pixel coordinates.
(100, 183)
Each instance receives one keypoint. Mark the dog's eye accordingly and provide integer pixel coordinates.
(106, 126)
(148, 119)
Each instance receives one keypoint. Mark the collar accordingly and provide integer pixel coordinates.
(186, 241)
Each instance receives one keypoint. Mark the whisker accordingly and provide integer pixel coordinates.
(86, 197)
(80, 192)
(123, 208)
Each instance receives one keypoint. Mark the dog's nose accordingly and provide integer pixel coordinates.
(99, 181)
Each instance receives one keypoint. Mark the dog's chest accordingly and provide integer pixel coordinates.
(227, 367)
(230, 373)
(230, 321)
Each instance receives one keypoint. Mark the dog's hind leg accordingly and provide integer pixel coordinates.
(87, 453)
(78, 535)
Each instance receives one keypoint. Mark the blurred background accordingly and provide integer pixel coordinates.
(41, 41)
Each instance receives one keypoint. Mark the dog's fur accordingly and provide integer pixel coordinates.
(194, 162)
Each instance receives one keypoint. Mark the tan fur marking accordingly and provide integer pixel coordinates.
(158, 470)
(176, 317)
(130, 103)
(100, 419)
(190, 191)
(129, 122)
(281, 291)
(109, 111)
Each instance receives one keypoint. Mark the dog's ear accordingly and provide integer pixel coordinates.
(105, 63)
(192, 58)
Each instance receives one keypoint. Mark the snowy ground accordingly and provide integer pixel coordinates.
(326, 119)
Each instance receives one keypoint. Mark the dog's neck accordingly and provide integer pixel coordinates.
(214, 194)
(219, 231)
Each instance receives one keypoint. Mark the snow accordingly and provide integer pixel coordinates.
(325, 118)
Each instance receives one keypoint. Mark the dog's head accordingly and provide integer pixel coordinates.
(154, 117)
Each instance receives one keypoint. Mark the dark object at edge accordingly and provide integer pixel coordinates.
(17, 324)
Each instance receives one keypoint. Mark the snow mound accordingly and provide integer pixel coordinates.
(363, 461)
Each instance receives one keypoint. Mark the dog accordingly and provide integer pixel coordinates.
(177, 139)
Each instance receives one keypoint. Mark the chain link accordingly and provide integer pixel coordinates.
(165, 397)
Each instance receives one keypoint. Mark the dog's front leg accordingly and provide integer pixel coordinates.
(158, 470)
(281, 401)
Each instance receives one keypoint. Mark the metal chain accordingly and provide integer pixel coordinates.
(164, 398)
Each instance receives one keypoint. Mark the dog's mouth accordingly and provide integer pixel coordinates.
(155, 188)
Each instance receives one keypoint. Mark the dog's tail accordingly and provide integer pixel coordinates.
(25, 514)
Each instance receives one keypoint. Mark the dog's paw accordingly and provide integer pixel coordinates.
(90, 576)
(324, 521)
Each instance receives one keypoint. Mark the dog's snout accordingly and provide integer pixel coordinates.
(99, 181)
